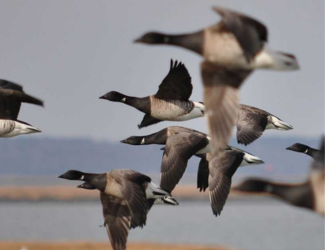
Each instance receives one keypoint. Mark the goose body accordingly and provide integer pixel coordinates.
(175, 110)
(11, 97)
(126, 197)
(231, 49)
(309, 194)
(170, 103)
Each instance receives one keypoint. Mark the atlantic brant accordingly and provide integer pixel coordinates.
(253, 121)
(309, 194)
(126, 197)
(170, 103)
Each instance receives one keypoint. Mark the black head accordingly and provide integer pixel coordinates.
(253, 185)
(134, 140)
(72, 175)
(152, 38)
(86, 185)
(298, 147)
(114, 96)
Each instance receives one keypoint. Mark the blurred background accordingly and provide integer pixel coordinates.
(70, 52)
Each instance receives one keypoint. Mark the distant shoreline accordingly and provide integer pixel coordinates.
(73, 194)
(7, 245)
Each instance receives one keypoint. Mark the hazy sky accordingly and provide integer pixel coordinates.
(71, 52)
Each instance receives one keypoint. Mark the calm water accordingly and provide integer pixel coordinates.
(246, 224)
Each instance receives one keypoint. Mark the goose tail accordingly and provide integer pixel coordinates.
(168, 200)
(279, 124)
(153, 191)
(283, 61)
(276, 60)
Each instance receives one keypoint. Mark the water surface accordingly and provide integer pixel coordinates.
(245, 224)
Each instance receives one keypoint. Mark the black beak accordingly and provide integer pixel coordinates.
(102, 97)
(61, 176)
(288, 148)
(137, 40)
(123, 141)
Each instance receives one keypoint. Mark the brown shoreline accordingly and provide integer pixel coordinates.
(71, 193)
(8, 245)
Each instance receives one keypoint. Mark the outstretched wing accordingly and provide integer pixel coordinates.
(117, 216)
(222, 167)
(11, 97)
(134, 193)
(148, 120)
(250, 126)
(177, 84)
(250, 33)
(221, 101)
(179, 149)
(203, 174)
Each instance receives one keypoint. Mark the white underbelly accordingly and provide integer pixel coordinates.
(7, 128)
(195, 113)
(167, 111)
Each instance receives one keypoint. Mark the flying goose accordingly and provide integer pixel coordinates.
(232, 49)
(11, 97)
(252, 122)
(302, 148)
(236, 41)
(181, 144)
(309, 194)
(216, 171)
(126, 197)
(170, 103)
(203, 170)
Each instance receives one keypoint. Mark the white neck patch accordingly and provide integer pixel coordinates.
(306, 151)
(123, 100)
(143, 141)
(82, 177)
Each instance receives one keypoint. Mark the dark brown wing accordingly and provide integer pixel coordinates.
(250, 126)
(117, 216)
(250, 33)
(221, 101)
(134, 193)
(11, 97)
(179, 149)
(203, 174)
(222, 167)
(177, 84)
(148, 120)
